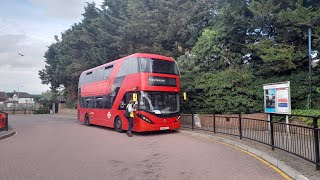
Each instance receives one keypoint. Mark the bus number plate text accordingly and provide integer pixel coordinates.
(164, 128)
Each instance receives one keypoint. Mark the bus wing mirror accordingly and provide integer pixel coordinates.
(122, 104)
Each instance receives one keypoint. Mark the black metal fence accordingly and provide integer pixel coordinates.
(4, 121)
(300, 140)
(18, 111)
(23, 111)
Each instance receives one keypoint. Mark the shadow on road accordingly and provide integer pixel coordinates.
(151, 133)
(156, 133)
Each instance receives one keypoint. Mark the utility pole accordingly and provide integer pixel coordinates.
(310, 73)
(308, 26)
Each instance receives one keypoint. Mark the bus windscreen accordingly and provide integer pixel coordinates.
(159, 102)
(158, 66)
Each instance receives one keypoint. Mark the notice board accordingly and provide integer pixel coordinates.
(277, 98)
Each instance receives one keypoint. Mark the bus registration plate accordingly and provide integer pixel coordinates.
(164, 128)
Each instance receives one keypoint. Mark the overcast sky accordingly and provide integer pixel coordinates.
(28, 27)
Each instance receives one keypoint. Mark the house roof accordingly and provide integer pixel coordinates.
(23, 95)
(3, 96)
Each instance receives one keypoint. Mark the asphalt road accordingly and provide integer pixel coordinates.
(55, 147)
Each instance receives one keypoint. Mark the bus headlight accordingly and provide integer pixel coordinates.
(145, 118)
(177, 119)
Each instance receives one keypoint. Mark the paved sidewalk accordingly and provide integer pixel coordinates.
(51, 147)
(6, 134)
(297, 164)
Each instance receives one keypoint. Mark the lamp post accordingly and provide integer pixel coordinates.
(308, 26)
(310, 73)
(19, 95)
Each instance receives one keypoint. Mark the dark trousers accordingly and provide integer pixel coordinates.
(130, 121)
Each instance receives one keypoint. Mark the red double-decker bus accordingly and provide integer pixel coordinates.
(153, 80)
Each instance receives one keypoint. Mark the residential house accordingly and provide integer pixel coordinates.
(21, 100)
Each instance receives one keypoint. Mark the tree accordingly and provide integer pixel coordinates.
(257, 38)
(120, 28)
(226, 49)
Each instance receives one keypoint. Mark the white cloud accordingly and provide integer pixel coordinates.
(17, 70)
(26, 81)
(40, 30)
(29, 33)
(70, 9)
(10, 41)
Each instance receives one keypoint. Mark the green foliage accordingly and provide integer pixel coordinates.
(120, 28)
(48, 96)
(276, 58)
(258, 40)
(45, 106)
(72, 104)
(46, 100)
(239, 89)
(36, 97)
(206, 49)
(226, 49)
(310, 112)
(42, 110)
(223, 91)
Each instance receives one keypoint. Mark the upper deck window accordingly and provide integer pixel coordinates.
(158, 66)
(89, 77)
(95, 75)
(129, 66)
(107, 71)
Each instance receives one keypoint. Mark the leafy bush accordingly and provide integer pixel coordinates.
(42, 110)
(72, 104)
(310, 112)
(279, 118)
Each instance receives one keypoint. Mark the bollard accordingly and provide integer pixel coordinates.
(7, 122)
(192, 120)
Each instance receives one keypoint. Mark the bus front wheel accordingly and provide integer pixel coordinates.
(118, 124)
(86, 120)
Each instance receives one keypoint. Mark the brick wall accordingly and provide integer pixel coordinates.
(68, 112)
(229, 121)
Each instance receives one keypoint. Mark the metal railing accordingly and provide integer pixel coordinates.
(300, 140)
(4, 121)
(19, 111)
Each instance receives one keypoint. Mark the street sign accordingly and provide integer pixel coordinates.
(277, 98)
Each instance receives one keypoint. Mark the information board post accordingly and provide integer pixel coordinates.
(277, 100)
(287, 122)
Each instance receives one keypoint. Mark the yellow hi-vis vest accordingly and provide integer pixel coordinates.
(131, 113)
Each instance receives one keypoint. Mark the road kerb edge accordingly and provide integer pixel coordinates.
(8, 135)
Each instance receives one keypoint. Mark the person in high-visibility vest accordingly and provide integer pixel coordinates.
(130, 108)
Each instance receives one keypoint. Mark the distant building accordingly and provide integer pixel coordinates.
(58, 104)
(21, 99)
(3, 97)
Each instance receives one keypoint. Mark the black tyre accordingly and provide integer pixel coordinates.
(86, 120)
(118, 124)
